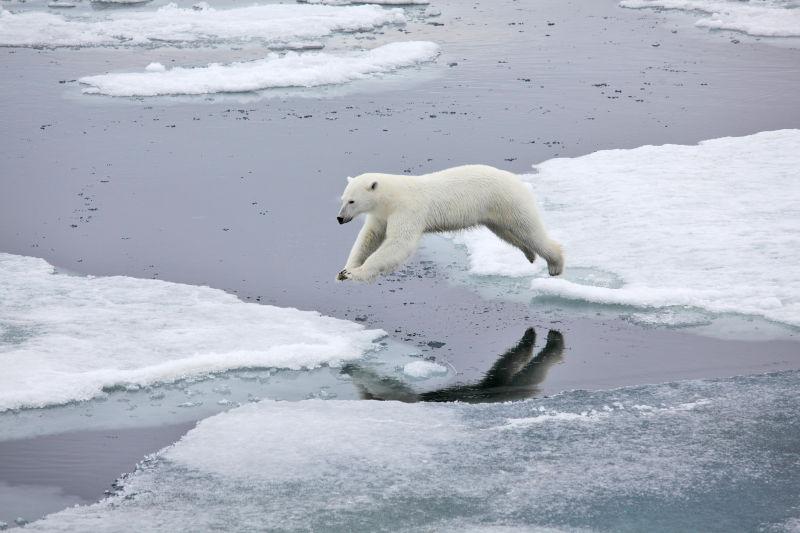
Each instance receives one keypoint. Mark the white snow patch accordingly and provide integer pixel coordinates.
(172, 24)
(759, 18)
(66, 338)
(292, 426)
(423, 369)
(712, 226)
(290, 70)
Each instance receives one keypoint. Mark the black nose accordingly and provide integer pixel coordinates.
(340, 219)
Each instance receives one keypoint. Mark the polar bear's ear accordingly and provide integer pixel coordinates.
(349, 179)
(373, 186)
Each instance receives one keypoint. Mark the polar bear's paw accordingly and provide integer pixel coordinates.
(355, 274)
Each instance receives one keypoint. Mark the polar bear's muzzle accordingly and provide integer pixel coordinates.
(343, 217)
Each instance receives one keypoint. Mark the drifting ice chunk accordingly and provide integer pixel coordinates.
(691, 456)
(763, 19)
(65, 338)
(290, 70)
(172, 24)
(711, 226)
(423, 369)
(155, 67)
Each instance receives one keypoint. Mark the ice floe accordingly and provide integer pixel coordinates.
(423, 369)
(768, 18)
(712, 226)
(289, 70)
(715, 455)
(381, 2)
(174, 25)
(65, 338)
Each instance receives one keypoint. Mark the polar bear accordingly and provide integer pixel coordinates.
(400, 209)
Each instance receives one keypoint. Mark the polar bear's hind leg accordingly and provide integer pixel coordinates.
(534, 240)
(509, 237)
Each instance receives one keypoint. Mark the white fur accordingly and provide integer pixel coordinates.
(401, 208)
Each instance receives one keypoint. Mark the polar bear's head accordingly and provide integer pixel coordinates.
(361, 195)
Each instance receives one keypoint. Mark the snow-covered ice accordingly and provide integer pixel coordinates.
(764, 18)
(65, 338)
(423, 369)
(290, 70)
(174, 25)
(381, 2)
(712, 226)
(716, 455)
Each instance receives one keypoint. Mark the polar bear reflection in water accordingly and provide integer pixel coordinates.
(515, 375)
(400, 209)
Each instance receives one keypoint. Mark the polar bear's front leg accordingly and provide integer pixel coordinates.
(401, 241)
(369, 239)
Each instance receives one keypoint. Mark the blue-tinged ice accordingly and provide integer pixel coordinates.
(717, 455)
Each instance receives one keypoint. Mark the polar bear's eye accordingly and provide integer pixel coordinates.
(351, 202)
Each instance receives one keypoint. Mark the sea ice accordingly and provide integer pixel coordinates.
(172, 24)
(423, 369)
(290, 70)
(155, 67)
(717, 455)
(712, 226)
(381, 2)
(770, 18)
(65, 338)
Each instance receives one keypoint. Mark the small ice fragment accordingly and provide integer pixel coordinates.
(155, 67)
(423, 369)
(190, 404)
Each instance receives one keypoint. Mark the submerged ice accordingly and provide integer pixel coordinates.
(761, 18)
(289, 70)
(712, 226)
(718, 455)
(65, 338)
(171, 24)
